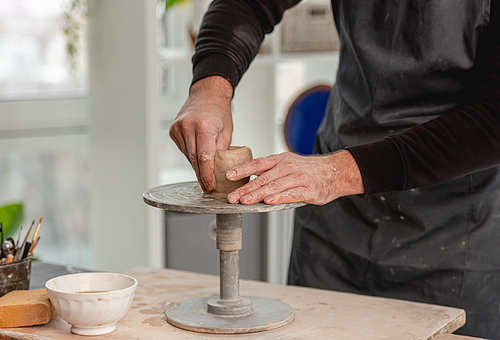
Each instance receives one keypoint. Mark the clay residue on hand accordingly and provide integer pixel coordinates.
(225, 160)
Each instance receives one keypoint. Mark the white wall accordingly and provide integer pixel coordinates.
(120, 154)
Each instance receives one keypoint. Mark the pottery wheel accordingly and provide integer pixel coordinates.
(188, 197)
(227, 313)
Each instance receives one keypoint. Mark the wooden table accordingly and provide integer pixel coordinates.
(320, 314)
(454, 337)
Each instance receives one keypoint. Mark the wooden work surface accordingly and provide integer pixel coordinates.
(320, 314)
(455, 337)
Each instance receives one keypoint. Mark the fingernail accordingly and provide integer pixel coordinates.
(233, 198)
(270, 200)
(208, 185)
(230, 174)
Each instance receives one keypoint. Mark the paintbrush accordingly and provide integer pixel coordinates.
(36, 231)
(18, 238)
(26, 250)
(32, 248)
(29, 231)
(20, 252)
(2, 253)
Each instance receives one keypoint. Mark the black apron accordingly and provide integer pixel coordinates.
(403, 63)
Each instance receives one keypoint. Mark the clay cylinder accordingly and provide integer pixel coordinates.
(225, 160)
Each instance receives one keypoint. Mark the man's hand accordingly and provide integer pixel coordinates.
(203, 125)
(287, 178)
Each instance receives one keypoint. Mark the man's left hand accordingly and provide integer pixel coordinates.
(288, 178)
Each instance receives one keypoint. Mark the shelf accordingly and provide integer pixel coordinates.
(175, 55)
(310, 56)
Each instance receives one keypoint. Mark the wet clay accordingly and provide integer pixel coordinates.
(225, 160)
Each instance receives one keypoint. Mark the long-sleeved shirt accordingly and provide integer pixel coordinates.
(458, 142)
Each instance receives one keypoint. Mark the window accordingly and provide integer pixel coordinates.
(33, 51)
(43, 127)
(52, 184)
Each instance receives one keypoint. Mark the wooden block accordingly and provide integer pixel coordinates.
(21, 308)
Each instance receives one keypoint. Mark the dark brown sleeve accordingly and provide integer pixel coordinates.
(455, 144)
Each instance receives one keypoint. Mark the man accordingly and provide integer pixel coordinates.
(405, 190)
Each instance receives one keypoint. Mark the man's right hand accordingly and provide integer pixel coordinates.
(203, 125)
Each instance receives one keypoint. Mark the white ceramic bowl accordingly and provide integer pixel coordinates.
(92, 303)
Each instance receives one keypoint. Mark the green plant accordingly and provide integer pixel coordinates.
(72, 23)
(170, 3)
(11, 216)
